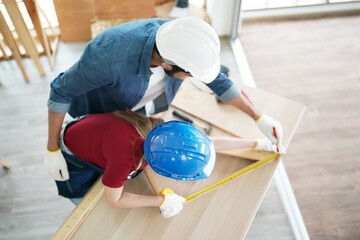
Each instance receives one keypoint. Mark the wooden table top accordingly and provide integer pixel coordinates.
(226, 212)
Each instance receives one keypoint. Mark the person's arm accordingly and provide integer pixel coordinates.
(230, 93)
(272, 129)
(241, 103)
(119, 199)
(90, 72)
(55, 121)
(55, 163)
(169, 202)
(227, 143)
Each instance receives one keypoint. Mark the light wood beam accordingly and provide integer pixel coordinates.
(5, 31)
(23, 32)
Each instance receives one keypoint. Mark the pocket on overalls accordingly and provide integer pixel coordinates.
(81, 178)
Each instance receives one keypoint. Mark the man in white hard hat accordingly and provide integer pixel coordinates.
(140, 66)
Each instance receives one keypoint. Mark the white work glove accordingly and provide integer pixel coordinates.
(271, 128)
(172, 203)
(265, 145)
(56, 166)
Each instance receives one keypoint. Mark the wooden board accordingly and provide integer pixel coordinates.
(225, 212)
(74, 19)
(9, 39)
(33, 7)
(114, 9)
(24, 34)
(192, 100)
(235, 122)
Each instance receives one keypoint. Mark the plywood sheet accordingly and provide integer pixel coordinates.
(224, 213)
(204, 106)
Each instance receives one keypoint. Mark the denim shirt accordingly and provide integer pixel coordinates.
(113, 74)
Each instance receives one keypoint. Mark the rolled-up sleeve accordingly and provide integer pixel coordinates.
(224, 88)
(90, 72)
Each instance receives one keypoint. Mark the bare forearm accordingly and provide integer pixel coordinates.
(227, 143)
(55, 121)
(244, 105)
(130, 200)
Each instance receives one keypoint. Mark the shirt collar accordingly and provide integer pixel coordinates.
(144, 69)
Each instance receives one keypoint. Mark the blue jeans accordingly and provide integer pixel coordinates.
(75, 201)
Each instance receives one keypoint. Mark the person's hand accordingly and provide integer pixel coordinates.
(265, 145)
(271, 128)
(172, 203)
(56, 166)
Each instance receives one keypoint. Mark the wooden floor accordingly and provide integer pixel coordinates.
(29, 205)
(317, 62)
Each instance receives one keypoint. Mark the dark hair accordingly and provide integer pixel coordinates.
(156, 49)
(175, 68)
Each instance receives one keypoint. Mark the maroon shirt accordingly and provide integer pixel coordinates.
(108, 142)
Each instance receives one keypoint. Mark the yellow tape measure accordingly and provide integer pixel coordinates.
(232, 176)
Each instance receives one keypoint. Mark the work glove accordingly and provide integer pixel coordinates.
(56, 166)
(265, 145)
(172, 203)
(271, 128)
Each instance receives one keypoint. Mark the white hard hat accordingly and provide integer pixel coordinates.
(191, 44)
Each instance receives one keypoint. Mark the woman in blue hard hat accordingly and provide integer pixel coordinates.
(120, 144)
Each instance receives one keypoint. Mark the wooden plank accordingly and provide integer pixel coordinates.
(23, 32)
(79, 214)
(235, 122)
(9, 39)
(2, 48)
(231, 177)
(33, 9)
(114, 9)
(210, 216)
(192, 100)
(80, 12)
(249, 154)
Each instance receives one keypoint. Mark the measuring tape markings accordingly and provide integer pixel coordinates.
(232, 176)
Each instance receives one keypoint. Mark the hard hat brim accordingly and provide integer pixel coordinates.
(206, 172)
(209, 76)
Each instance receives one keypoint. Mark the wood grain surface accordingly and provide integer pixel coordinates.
(224, 212)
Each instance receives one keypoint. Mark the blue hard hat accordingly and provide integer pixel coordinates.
(178, 150)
